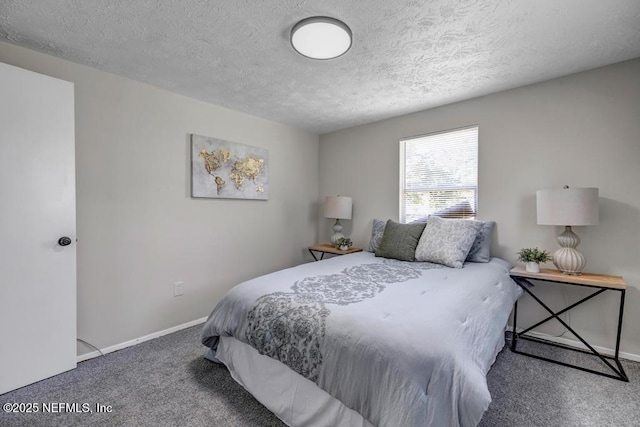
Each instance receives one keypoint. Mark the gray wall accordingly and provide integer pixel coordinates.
(582, 130)
(138, 229)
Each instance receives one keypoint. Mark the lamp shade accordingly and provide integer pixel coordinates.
(338, 207)
(567, 206)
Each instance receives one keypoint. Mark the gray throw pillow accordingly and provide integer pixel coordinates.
(481, 249)
(447, 241)
(399, 241)
(461, 210)
(377, 230)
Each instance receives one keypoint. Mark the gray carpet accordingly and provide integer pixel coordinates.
(166, 382)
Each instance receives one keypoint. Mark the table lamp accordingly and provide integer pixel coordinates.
(338, 207)
(569, 207)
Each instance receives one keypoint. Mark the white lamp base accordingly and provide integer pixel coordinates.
(337, 232)
(568, 259)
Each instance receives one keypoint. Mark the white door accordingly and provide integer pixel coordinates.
(37, 208)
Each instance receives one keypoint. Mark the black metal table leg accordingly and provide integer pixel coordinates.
(618, 369)
(514, 335)
(314, 255)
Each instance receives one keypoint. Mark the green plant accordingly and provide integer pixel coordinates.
(343, 241)
(533, 255)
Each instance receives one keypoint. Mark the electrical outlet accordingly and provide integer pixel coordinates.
(178, 289)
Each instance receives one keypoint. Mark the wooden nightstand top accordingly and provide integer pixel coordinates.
(327, 248)
(585, 279)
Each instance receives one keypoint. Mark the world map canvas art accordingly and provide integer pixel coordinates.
(228, 170)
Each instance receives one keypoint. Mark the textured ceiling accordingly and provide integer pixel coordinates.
(406, 55)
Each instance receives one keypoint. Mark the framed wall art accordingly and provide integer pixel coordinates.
(228, 170)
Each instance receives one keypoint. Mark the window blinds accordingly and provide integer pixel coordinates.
(439, 175)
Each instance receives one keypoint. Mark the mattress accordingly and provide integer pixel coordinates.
(398, 343)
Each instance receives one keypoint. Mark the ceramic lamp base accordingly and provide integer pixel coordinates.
(567, 259)
(337, 232)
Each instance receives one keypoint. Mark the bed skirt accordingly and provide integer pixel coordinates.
(291, 397)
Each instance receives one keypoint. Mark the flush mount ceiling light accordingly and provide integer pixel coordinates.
(321, 37)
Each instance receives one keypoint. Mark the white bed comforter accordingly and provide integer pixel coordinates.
(403, 344)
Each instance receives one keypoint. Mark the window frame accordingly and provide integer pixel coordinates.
(402, 177)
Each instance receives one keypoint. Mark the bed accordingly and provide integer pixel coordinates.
(362, 340)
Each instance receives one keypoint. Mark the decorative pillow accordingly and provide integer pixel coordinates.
(460, 210)
(421, 220)
(447, 241)
(399, 241)
(481, 249)
(377, 230)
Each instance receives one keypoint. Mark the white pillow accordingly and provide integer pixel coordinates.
(447, 241)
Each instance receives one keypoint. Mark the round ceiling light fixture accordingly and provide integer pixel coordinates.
(321, 37)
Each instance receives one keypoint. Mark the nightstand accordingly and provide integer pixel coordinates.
(600, 282)
(329, 249)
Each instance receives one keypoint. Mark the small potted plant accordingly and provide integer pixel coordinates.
(533, 257)
(343, 243)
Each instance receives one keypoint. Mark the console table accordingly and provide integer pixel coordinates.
(599, 282)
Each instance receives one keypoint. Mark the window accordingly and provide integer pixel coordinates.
(439, 175)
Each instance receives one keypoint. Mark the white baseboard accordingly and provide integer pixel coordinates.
(91, 355)
(577, 344)
(559, 340)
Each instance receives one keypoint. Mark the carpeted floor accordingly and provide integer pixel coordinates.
(530, 392)
(166, 382)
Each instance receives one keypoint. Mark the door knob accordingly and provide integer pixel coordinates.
(64, 241)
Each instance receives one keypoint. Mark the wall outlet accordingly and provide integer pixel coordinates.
(178, 289)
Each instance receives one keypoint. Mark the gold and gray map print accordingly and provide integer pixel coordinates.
(228, 170)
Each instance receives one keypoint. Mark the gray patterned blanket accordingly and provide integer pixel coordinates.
(403, 344)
